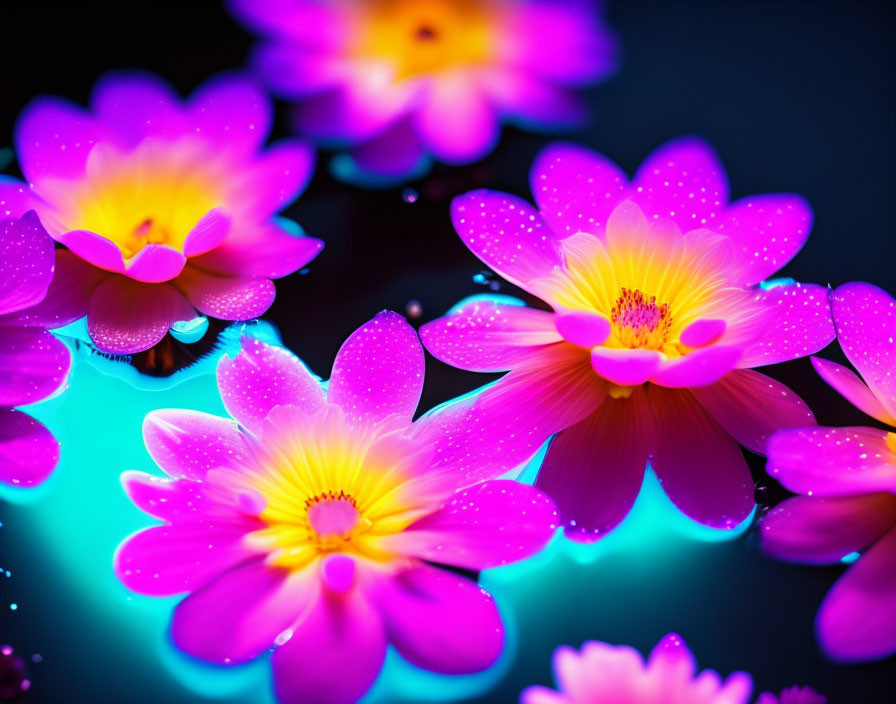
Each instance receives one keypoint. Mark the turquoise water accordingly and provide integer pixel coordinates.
(75, 521)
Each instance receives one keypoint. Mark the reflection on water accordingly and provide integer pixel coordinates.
(79, 516)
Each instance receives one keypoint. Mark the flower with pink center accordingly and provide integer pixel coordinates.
(601, 673)
(166, 207)
(655, 325)
(847, 481)
(318, 522)
(395, 81)
(33, 363)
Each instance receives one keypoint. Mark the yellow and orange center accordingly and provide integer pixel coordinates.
(153, 194)
(420, 37)
(640, 322)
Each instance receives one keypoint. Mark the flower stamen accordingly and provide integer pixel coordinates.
(639, 322)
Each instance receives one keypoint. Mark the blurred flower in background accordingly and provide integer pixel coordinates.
(33, 363)
(847, 478)
(397, 81)
(168, 206)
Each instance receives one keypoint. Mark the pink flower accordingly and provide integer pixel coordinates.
(33, 363)
(167, 207)
(318, 523)
(656, 323)
(397, 80)
(847, 478)
(617, 674)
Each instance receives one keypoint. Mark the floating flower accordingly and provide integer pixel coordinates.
(608, 674)
(396, 80)
(33, 363)
(847, 478)
(319, 524)
(646, 354)
(172, 204)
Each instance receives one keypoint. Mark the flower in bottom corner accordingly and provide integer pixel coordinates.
(319, 522)
(601, 673)
(33, 363)
(846, 478)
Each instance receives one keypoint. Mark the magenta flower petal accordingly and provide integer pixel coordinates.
(832, 461)
(239, 615)
(268, 251)
(15, 198)
(468, 532)
(768, 230)
(486, 335)
(393, 153)
(68, 296)
(155, 263)
(594, 490)
(538, 102)
(845, 382)
(318, 23)
(189, 443)
(33, 364)
(464, 631)
(625, 367)
(823, 531)
(231, 111)
(683, 180)
(752, 406)
(94, 248)
(378, 371)
(26, 263)
(209, 232)
(126, 316)
(536, 694)
(53, 138)
(864, 317)
(857, 619)
(334, 655)
(456, 121)
(136, 104)
(262, 377)
(275, 178)
(28, 451)
(799, 325)
(793, 695)
(169, 501)
(698, 368)
(297, 72)
(167, 560)
(575, 188)
(583, 328)
(702, 332)
(507, 234)
(700, 466)
(566, 394)
(227, 297)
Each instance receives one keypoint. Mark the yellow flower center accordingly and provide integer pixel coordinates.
(638, 322)
(153, 194)
(419, 37)
(331, 488)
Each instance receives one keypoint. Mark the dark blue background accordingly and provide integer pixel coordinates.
(796, 96)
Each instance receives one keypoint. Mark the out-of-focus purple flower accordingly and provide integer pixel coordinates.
(657, 322)
(33, 363)
(167, 207)
(847, 481)
(14, 682)
(793, 695)
(397, 80)
(317, 524)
